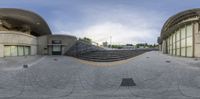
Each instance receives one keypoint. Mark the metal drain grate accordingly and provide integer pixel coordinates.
(127, 82)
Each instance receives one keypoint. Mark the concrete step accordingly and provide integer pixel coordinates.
(109, 55)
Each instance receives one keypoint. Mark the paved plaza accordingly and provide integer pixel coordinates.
(157, 76)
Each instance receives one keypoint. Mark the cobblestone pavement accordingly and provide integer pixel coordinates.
(157, 76)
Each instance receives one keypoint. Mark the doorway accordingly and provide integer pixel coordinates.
(56, 50)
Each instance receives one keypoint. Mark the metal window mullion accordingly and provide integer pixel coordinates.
(175, 43)
(180, 42)
(193, 40)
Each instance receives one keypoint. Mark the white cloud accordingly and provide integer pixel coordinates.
(121, 34)
(123, 24)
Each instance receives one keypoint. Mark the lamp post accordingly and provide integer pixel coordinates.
(110, 41)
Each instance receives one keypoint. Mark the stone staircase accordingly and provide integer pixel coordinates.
(109, 55)
(94, 53)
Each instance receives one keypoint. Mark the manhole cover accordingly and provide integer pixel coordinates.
(127, 82)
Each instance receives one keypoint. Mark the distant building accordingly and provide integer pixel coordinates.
(142, 45)
(180, 35)
(128, 47)
(105, 44)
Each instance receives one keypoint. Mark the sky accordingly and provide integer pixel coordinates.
(115, 21)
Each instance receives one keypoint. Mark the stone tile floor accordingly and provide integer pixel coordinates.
(157, 76)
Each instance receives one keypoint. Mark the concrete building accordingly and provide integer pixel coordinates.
(24, 33)
(55, 44)
(180, 35)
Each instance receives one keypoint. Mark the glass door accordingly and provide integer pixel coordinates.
(56, 50)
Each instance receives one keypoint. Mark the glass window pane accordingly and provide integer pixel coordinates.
(171, 39)
(189, 30)
(168, 43)
(189, 51)
(13, 50)
(26, 50)
(174, 37)
(183, 33)
(56, 48)
(7, 51)
(178, 36)
(189, 41)
(183, 43)
(174, 52)
(171, 50)
(178, 52)
(183, 51)
(20, 51)
(174, 45)
(168, 51)
(178, 44)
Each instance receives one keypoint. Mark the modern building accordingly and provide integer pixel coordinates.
(105, 44)
(142, 45)
(180, 35)
(55, 44)
(128, 47)
(24, 33)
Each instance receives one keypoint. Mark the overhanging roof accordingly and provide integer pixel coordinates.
(18, 17)
(172, 21)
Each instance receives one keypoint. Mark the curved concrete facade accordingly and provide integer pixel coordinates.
(25, 33)
(13, 38)
(23, 20)
(180, 35)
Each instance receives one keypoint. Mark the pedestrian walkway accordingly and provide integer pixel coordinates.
(157, 76)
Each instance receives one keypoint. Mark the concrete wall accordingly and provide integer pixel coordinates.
(45, 42)
(1, 50)
(67, 42)
(196, 40)
(17, 38)
(42, 48)
(38, 45)
(33, 50)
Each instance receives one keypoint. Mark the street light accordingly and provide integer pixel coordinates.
(110, 41)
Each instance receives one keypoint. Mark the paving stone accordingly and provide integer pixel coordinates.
(69, 78)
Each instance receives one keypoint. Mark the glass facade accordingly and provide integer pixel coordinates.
(180, 42)
(16, 50)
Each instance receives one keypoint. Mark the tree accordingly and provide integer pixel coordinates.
(87, 40)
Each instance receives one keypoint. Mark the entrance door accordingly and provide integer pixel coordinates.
(56, 50)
